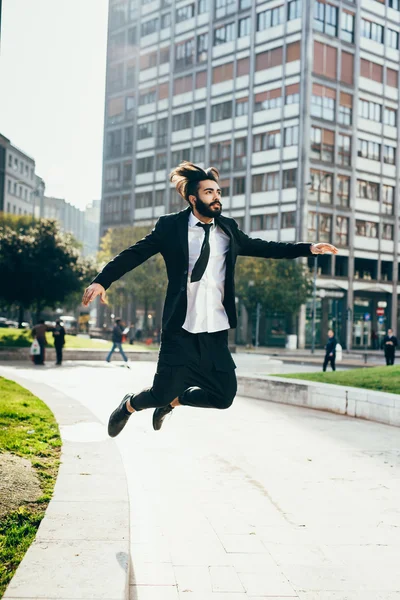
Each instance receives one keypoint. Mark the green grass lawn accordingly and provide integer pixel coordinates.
(21, 338)
(383, 379)
(27, 429)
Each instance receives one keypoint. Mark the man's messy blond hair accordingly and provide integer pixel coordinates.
(187, 177)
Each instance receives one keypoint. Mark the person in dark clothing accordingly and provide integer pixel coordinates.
(59, 340)
(200, 248)
(389, 347)
(117, 340)
(39, 332)
(330, 351)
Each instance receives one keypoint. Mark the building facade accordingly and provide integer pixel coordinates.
(296, 102)
(91, 228)
(17, 180)
(70, 217)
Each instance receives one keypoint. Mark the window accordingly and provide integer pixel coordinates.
(127, 174)
(392, 38)
(367, 229)
(116, 77)
(221, 155)
(323, 102)
(372, 31)
(162, 132)
(199, 154)
(126, 207)
(269, 59)
(145, 165)
(343, 190)
(129, 106)
(222, 73)
(182, 121)
(225, 188)
(292, 94)
(160, 198)
(130, 74)
(166, 20)
(294, 9)
(244, 27)
(256, 223)
(347, 27)
(368, 190)
(389, 155)
(221, 111)
(132, 10)
(143, 199)
(239, 186)
(270, 222)
(225, 7)
(292, 135)
(164, 55)
(325, 60)
(387, 231)
(242, 107)
(111, 209)
(267, 100)
(347, 68)
(395, 4)
(288, 220)
(345, 109)
(113, 145)
(368, 149)
(344, 150)
(270, 18)
(224, 34)
(342, 231)
(390, 116)
(145, 130)
(293, 52)
(147, 96)
(202, 6)
(387, 199)
(112, 177)
(244, 4)
(115, 110)
(202, 47)
(325, 18)
(289, 178)
(117, 45)
(184, 13)
(182, 85)
(243, 67)
(265, 182)
(370, 110)
(149, 27)
(184, 54)
(319, 227)
(322, 185)
(9, 188)
(322, 144)
(392, 77)
(199, 116)
(161, 161)
(240, 153)
(117, 15)
(267, 141)
(128, 140)
(201, 79)
(371, 70)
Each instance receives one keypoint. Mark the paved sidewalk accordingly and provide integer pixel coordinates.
(259, 501)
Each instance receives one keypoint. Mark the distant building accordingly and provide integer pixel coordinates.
(91, 236)
(71, 219)
(17, 180)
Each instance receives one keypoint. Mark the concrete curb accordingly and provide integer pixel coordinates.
(17, 354)
(82, 547)
(353, 402)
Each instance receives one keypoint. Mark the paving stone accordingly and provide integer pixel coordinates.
(225, 579)
(152, 573)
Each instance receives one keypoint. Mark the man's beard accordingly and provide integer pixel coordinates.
(208, 210)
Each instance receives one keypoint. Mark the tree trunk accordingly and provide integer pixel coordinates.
(21, 312)
(146, 320)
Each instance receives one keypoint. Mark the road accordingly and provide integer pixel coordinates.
(260, 501)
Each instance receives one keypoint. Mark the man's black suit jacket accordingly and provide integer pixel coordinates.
(170, 238)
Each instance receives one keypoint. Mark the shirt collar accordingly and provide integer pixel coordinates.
(194, 220)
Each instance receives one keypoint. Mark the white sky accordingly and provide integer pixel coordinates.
(52, 80)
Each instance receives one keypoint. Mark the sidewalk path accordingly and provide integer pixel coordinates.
(260, 501)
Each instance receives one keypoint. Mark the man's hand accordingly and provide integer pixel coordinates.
(95, 289)
(323, 248)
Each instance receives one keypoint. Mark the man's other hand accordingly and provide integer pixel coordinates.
(323, 248)
(91, 292)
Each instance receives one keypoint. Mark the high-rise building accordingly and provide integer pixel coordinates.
(296, 102)
(91, 228)
(17, 180)
(70, 218)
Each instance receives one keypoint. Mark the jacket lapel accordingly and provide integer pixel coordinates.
(226, 229)
(183, 219)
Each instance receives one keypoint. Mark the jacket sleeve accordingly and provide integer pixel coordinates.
(255, 247)
(131, 257)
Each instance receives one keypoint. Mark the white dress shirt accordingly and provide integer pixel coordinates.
(205, 311)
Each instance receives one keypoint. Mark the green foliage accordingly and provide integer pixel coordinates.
(20, 412)
(278, 285)
(382, 379)
(41, 265)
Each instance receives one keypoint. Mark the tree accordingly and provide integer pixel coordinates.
(40, 265)
(278, 285)
(147, 283)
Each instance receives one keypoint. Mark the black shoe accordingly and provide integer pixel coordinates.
(159, 415)
(119, 418)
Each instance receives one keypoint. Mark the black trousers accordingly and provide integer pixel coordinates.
(59, 356)
(196, 368)
(329, 359)
(389, 357)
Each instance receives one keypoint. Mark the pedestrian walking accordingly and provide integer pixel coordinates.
(131, 333)
(200, 247)
(117, 334)
(330, 351)
(59, 341)
(39, 333)
(389, 347)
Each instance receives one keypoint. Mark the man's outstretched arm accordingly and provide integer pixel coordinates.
(122, 263)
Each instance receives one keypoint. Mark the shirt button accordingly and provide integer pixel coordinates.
(183, 288)
(185, 272)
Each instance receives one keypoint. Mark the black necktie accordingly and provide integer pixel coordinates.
(202, 261)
